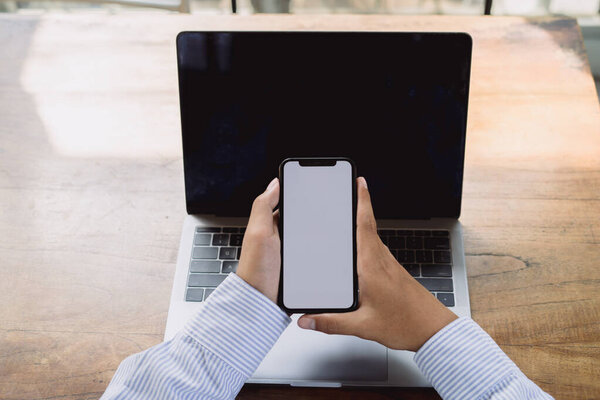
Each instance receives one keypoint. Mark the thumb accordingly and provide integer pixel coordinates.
(262, 208)
(365, 219)
(340, 324)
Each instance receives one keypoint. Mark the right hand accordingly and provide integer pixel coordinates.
(394, 309)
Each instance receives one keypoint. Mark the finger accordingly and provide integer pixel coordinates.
(340, 324)
(365, 219)
(261, 215)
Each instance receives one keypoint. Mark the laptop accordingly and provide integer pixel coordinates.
(394, 102)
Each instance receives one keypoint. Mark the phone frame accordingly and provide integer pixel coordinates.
(319, 161)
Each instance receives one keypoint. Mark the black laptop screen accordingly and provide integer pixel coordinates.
(395, 103)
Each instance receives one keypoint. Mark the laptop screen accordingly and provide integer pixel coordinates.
(395, 103)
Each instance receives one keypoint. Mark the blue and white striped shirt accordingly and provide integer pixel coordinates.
(223, 344)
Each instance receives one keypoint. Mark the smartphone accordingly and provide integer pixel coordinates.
(317, 208)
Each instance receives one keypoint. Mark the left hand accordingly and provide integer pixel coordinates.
(260, 261)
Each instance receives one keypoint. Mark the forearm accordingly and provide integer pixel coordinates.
(463, 362)
(212, 357)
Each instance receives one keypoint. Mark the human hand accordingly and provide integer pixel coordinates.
(260, 261)
(394, 309)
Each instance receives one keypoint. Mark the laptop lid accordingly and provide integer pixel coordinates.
(395, 103)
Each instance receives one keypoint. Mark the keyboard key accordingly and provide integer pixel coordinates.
(386, 232)
(437, 270)
(220, 239)
(243, 230)
(194, 294)
(205, 266)
(442, 257)
(404, 232)
(236, 240)
(205, 252)
(424, 256)
(422, 233)
(385, 239)
(414, 243)
(229, 266)
(446, 299)
(437, 243)
(231, 230)
(412, 269)
(396, 242)
(209, 280)
(436, 284)
(207, 293)
(239, 252)
(440, 233)
(404, 256)
(227, 253)
(207, 229)
(202, 239)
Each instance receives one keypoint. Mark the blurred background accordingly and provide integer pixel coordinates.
(587, 12)
(578, 8)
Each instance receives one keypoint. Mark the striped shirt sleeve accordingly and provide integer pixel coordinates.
(212, 357)
(463, 362)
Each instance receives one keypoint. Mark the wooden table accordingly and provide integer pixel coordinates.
(91, 195)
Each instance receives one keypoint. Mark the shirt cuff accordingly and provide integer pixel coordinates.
(238, 324)
(462, 361)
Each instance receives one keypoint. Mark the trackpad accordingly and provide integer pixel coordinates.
(307, 355)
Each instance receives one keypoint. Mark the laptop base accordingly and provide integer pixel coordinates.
(307, 358)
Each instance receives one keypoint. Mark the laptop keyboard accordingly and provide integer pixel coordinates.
(424, 253)
(215, 254)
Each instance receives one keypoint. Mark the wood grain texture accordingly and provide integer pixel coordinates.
(91, 195)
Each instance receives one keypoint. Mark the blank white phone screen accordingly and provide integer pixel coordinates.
(317, 236)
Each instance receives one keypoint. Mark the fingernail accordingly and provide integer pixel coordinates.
(272, 184)
(307, 323)
(363, 182)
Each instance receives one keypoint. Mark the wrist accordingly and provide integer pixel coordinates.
(434, 323)
(258, 284)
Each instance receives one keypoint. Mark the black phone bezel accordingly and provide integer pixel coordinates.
(318, 161)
